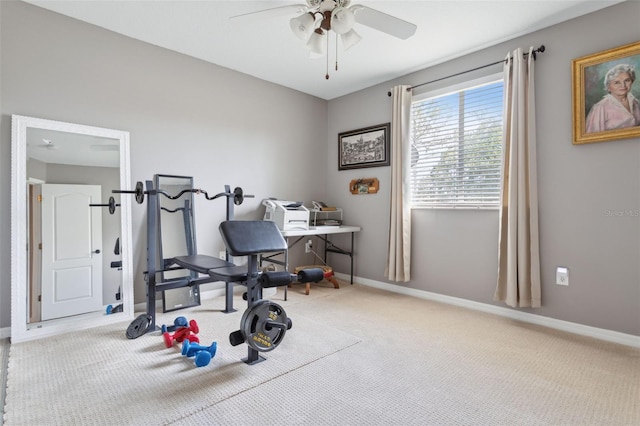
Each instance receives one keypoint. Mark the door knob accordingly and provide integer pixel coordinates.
(96, 251)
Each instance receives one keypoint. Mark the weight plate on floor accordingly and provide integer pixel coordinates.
(264, 325)
(138, 326)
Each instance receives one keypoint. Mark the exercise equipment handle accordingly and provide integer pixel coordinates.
(275, 279)
(273, 324)
(281, 278)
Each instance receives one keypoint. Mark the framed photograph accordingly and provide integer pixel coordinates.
(606, 95)
(368, 147)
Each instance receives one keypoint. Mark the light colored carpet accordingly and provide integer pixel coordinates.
(417, 363)
(100, 377)
(425, 363)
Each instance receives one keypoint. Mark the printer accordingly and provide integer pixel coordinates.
(288, 215)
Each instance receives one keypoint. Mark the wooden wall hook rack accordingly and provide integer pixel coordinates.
(364, 186)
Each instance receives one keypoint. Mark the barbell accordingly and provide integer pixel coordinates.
(139, 193)
(112, 205)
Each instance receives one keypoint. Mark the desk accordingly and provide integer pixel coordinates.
(294, 236)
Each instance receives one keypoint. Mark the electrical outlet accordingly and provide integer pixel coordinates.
(562, 276)
(307, 246)
(223, 255)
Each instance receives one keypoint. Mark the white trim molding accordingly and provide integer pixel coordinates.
(571, 327)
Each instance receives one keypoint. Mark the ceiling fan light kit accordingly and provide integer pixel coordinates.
(316, 43)
(304, 25)
(319, 17)
(323, 16)
(350, 39)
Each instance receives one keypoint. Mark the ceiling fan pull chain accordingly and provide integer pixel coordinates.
(327, 53)
(336, 53)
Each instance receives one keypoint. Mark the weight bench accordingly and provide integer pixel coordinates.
(264, 323)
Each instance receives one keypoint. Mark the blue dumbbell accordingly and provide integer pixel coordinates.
(111, 309)
(190, 349)
(177, 323)
(203, 354)
(203, 358)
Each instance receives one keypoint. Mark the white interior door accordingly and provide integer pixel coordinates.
(71, 250)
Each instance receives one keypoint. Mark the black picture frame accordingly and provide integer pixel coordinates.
(366, 147)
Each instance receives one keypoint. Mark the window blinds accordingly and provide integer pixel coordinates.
(456, 144)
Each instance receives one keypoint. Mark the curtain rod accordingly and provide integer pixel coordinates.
(538, 50)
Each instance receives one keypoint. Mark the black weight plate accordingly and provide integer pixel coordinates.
(112, 205)
(238, 196)
(138, 326)
(139, 193)
(257, 329)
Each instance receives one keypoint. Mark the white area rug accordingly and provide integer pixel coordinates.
(100, 377)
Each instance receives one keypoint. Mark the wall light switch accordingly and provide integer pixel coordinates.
(562, 276)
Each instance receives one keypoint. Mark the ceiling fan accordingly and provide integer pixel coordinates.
(47, 144)
(318, 17)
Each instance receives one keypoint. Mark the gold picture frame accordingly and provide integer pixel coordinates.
(591, 99)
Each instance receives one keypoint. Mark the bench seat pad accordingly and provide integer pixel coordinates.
(236, 274)
(201, 263)
(250, 237)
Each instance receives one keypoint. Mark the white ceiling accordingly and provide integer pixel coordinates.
(267, 49)
(57, 147)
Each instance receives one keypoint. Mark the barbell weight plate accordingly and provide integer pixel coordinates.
(257, 329)
(112, 205)
(238, 196)
(139, 326)
(139, 192)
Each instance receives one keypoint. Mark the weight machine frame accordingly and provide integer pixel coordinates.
(153, 285)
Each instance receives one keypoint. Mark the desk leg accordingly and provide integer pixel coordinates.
(351, 257)
(329, 247)
(286, 267)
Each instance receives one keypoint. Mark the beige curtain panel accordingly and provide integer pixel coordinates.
(518, 252)
(398, 266)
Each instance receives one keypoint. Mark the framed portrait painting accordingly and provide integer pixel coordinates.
(367, 147)
(606, 95)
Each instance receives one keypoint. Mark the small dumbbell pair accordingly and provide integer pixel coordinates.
(203, 354)
(182, 333)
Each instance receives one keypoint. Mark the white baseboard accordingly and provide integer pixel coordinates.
(571, 327)
(5, 333)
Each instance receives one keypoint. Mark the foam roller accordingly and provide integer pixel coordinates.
(275, 279)
(311, 275)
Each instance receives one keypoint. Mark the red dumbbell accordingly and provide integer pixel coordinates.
(182, 333)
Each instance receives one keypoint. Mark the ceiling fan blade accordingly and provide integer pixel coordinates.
(382, 22)
(273, 12)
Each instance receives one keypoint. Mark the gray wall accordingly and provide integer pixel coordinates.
(185, 117)
(455, 252)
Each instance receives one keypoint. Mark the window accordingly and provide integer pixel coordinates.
(456, 145)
